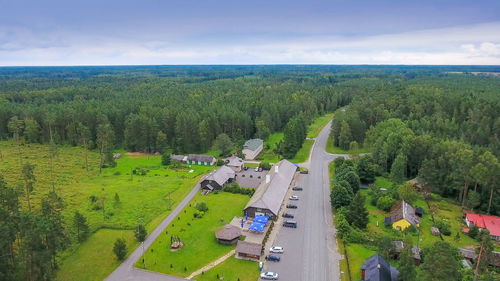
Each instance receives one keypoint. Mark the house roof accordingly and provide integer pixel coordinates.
(270, 195)
(228, 232)
(253, 144)
(402, 210)
(200, 158)
(234, 161)
(377, 269)
(492, 223)
(221, 175)
(248, 248)
(472, 255)
(399, 245)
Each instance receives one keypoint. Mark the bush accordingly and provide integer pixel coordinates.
(120, 249)
(444, 227)
(265, 166)
(385, 203)
(198, 215)
(201, 206)
(235, 188)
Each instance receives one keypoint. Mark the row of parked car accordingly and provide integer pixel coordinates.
(277, 249)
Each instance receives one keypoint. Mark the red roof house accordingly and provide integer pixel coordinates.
(491, 223)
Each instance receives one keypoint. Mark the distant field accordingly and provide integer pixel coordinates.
(318, 124)
(198, 235)
(232, 269)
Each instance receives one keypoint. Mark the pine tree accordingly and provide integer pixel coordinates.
(357, 215)
(120, 249)
(29, 181)
(140, 233)
(345, 136)
(442, 262)
(398, 169)
(80, 223)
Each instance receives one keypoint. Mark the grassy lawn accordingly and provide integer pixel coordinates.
(198, 235)
(357, 255)
(330, 148)
(251, 165)
(318, 124)
(303, 154)
(94, 259)
(232, 269)
(270, 144)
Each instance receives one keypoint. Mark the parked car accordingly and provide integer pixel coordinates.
(294, 197)
(245, 168)
(268, 275)
(304, 172)
(292, 224)
(287, 215)
(276, 250)
(291, 206)
(273, 258)
(297, 188)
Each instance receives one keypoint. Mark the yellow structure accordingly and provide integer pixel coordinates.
(403, 216)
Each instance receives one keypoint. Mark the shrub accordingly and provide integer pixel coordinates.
(444, 227)
(117, 173)
(265, 166)
(385, 203)
(201, 206)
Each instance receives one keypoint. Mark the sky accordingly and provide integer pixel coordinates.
(106, 32)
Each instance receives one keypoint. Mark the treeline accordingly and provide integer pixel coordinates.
(445, 131)
(151, 113)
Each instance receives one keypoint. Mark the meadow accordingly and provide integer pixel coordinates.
(197, 234)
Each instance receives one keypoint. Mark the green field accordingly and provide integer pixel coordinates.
(142, 198)
(197, 234)
(318, 124)
(330, 148)
(357, 254)
(232, 269)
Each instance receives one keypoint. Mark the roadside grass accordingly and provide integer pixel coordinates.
(330, 148)
(318, 124)
(95, 259)
(198, 235)
(303, 154)
(232, 269)
(344, 268)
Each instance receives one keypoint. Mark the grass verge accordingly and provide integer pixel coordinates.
(318, 124)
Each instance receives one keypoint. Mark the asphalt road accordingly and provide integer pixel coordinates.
(127, 272)
(310, 249)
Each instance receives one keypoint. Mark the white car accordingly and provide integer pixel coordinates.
(294, 197)
(276, 250)
(269, 275)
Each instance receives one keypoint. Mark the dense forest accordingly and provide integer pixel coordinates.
(431, 122)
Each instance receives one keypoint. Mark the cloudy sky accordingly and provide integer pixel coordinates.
(101, 32)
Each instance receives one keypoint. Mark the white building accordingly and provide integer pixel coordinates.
(252, 148)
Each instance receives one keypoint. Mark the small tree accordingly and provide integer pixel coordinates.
(224, 144)
(117, 199)
(340, 196)
(357, 215)
(442, 262)
(140, 233)
(385, 246)
(80, 223)
(407, 193)
(407, 264)
(120, 249)
(385, 203)
(201, 206)
(165, 158)
(352, 178)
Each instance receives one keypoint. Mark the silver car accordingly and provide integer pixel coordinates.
(269, 275)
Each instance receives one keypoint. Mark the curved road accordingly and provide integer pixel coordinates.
(310, 249)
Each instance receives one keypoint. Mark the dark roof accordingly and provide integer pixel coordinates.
(387, 221)
(200, 158)
(270, 195)
(221, 175)
(402, 210)
(399, 245)
(228, 232)
(248, 248)
(377, 269)
(470, 254)
(419, 211)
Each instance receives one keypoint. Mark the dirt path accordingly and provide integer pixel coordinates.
(211, 265)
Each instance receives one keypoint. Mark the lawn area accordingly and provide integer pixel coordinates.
(318, 124)
(330, 148)
(303, 154)
(232, 269)
(251, 165)
(197, 234)
(94, 259)
(268, 153)
(357, 254)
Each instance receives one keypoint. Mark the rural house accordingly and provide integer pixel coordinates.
(269, 196)
(402, 216)
(491, 223)
(249, 251)
(234, 162)
(377, 269)
(228, 235)
(217, 179)
(203, 160)
(252, 148)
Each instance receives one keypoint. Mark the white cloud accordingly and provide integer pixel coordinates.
(476, 44)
